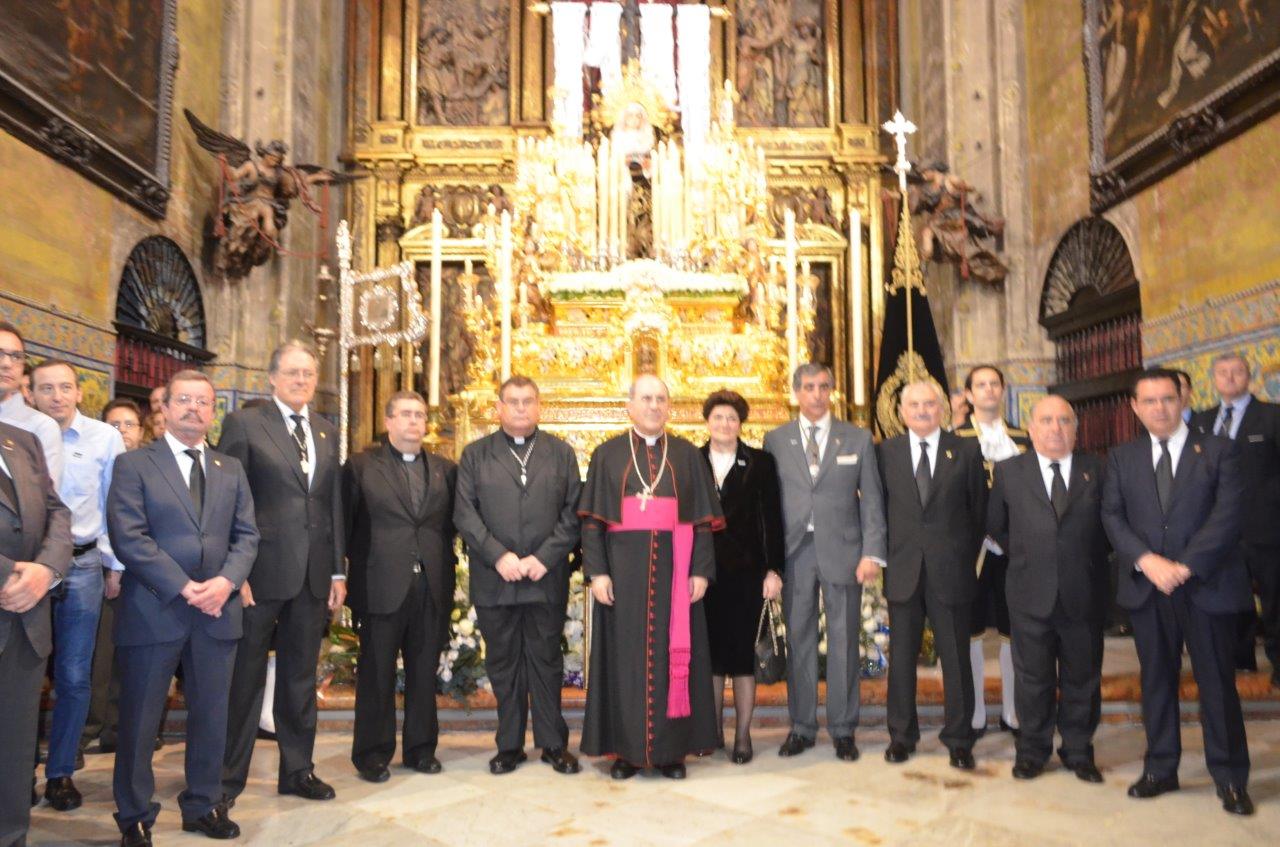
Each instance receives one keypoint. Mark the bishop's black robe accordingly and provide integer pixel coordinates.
(627, 695)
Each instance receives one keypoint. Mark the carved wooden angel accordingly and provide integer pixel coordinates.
(953, 229)
(254, 195)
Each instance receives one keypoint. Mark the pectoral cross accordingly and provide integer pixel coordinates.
(900, 128)
(644, 497)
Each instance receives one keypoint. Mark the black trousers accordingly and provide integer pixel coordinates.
(145, 672)
(1160, 628)
(1264, 570)
(951, 638)
(414, 632)
(1056, 657)
(525, 664)
(21, 675)
(295, 627)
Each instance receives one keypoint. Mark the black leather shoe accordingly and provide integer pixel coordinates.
(1149, 785)
(962, 758)
(62, 794)
(1235, 799)
(309, 787)
(1027, 769)
(215, 824)
(794, 745)
(743, 752)
(622, 769)
(138, 835)
(105, 747)
(506, 761)
(846, 750)
(265, 735)
(427, 764)
(675, 771)
(561, 760)
(1084, 769)
(79, 765)
(1006, 727)
(375, 773)
(897, 752)
(979, 733)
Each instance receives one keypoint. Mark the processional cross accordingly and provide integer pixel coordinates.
(906, 262)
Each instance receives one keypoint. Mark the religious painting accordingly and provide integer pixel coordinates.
(90, 83)
(464, 63)
(1170, 80)
(781, 72)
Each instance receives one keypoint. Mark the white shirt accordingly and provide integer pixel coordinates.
(16, 412)
(824, 432)
(995, 441)
(1046, 472)
(932, 440)
(180, 453)
(721, 464)
(310, 468)
(90, 449)
(1176, 442)
(1238, 407)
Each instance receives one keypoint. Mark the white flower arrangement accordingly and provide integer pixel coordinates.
(644, 274)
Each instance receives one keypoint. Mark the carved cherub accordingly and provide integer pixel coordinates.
(953, 229)
(255, 195)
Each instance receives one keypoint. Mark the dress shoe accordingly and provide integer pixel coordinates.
(375, 773)
(1084, 769)
(743, 752)
(79, 765)
(265, 735)
(105, 747)
(1149, 785)
(561, 760)
(309, 787)
(1005, 726)
(62, 794)
(1027, 769)
(215, 824)
(979, 732)
(427, 764)
(506, 761)
(962, 758)
(897, 752)
(675, 771)
(137, 835)
(622, 769)
(794, 745)
(1235, 799)
(159, 742)
(846, 750)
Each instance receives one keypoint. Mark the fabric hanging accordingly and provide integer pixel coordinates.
(604, 45)
(657, 52)
(568, 38)
(693, 36)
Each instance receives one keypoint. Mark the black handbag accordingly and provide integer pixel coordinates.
(771, 648)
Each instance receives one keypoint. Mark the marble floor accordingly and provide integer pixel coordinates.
(809, 800)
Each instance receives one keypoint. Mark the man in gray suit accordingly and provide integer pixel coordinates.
(833, 511)
(35, 553)
(181, 521)
(517, 510)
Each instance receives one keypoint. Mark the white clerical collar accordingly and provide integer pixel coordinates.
(650, 440)
(410, 457)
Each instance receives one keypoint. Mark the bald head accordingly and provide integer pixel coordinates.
(649, 406)
(920, 405)
(1053, 427)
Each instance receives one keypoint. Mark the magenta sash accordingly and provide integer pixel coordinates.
(662, 515)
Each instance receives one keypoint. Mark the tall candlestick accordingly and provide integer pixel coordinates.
(793, 328)
(658, 174)
(504, 287)
(602, 188)
(855, 288)
(437, 247)
(624, 206)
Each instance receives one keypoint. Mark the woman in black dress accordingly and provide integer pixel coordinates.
(749, 558)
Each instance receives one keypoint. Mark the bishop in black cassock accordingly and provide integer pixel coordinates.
(648, 509)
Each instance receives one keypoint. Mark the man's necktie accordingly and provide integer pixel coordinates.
(195, 481)
(811, 449)
(1225, 429)
(1164, 476)
(923, 476)
(300, 438)
(1058, 489)
(9, 489)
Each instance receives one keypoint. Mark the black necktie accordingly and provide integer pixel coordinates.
(7, 486)
(300, 438)
(1225, 429)
(1164, 476)
(1058, 489)
(195, 482)
(923, 476)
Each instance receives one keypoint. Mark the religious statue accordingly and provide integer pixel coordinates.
(633, 137)
(781, 74)
(254, 195)
(953, 230)
(463, 63)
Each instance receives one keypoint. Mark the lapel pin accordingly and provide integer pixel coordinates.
(1086, 476)
(1195, 447)
(948, 454)
(793, 441)
(742, 463)
(322, 435)
(8, 444)
(218, 462)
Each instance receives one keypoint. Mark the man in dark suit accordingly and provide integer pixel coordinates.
(398, 501)
(833, 517)
(180, 517)
(1045, 511)
(1172, 506)
(290, 456)
(1255, 426)
(936, 495)
(517, 510)
(35, 553)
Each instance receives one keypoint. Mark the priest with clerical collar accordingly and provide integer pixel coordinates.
(649, 506)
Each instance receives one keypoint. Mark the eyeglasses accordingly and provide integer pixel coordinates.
(188, 400)
(14, 356)
(124, 426)
(298, 373)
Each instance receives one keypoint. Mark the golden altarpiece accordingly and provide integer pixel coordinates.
(716, 270)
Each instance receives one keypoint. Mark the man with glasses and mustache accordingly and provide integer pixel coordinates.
(13, 405)
(290, 455)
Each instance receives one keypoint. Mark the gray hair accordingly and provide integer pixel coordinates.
(811, 369)
(273, 366)
(932, 385)
(1231, 356)
(631, 392)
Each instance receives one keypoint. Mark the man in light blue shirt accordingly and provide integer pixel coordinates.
(13, 406)
(90, 448)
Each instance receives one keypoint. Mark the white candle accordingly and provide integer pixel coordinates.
(657, 176)
(793, 329)
(855, 287)
(504, 293)
(437, 246)
(624, 206)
